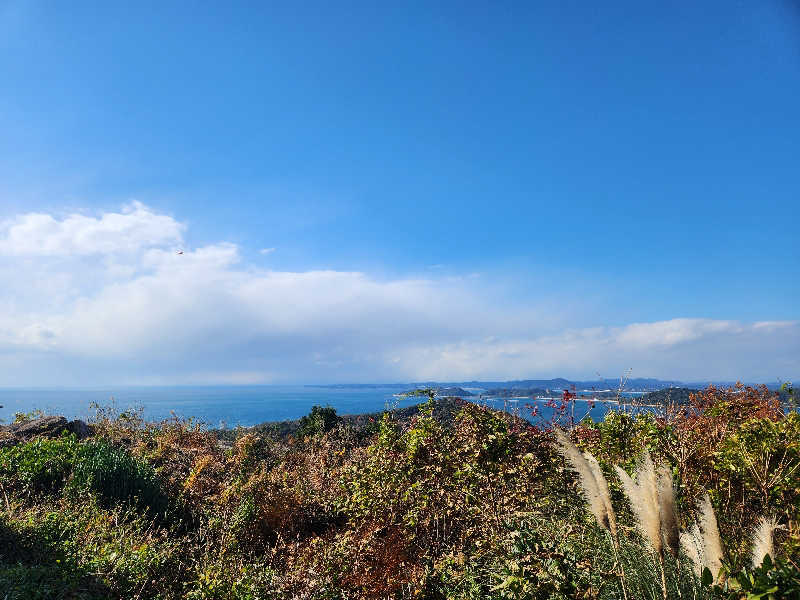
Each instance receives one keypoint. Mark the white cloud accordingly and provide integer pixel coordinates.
(689, 349)
(136, 227)
(266, 251)
(85, 309)
(672, 332)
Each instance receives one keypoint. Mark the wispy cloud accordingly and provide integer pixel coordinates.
(266, 251)
(106, 298)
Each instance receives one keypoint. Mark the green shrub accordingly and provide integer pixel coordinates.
(114, 475)
(82, 550)
(620, 438)
(45, 582)
(764, 455)
(542, 562)
(37, 559)
(40, 466)
(96, 467)
(218, 581)
(24, 417)
(319, 420)
(769, 581)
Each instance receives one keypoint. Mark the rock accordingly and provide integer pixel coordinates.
(79, 428)
(7, 442)
(44, 426)
(16, 433)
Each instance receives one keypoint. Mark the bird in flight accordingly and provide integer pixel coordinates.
(179, 252)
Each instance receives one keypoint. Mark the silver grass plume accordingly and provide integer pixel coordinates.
(763, 542)
(670, 530)
(590, 480)
(653, 502)
(605, 494)
(712, 544)
(692, 544)
(643, 497)
(648, 478)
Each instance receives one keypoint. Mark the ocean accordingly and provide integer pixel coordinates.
(229, 406)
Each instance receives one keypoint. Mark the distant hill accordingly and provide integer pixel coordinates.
(638, 384)
(557, 383)
(443, 392)
(516, 392)
(667, 396)
(453, 392)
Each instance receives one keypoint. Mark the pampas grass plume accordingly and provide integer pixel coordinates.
(643, 497)
(605, 494)
(670, 529)
(712, 544)
(592, 482)
(763, 541)
(692, 544)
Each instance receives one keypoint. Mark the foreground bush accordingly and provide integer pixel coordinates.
(38, 467)
(113, 475)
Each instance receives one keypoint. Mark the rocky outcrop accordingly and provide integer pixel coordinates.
(8, 440)
(79, 428)
(41, 427)
(49, 427)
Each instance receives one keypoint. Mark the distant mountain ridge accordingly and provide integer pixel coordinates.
(638, 384)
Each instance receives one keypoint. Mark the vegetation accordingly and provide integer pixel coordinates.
(319, 420)
(667, 396)
(516, 392)
(441, 392)
(701, 501)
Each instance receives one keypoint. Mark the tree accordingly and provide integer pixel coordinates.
(319, 420)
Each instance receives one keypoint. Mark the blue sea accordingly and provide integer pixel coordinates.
(229, 406)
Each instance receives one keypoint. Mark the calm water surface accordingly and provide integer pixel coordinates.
(228, 405)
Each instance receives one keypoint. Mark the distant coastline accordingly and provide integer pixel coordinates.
(605, 385)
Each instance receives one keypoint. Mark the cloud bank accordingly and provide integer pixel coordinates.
(108, 299)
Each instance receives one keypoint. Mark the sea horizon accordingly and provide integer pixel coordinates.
(228, 405)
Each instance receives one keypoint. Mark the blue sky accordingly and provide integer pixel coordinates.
(549, 168)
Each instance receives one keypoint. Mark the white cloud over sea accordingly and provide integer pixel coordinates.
(91, 299)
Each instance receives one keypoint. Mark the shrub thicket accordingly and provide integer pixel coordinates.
(480, 505)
